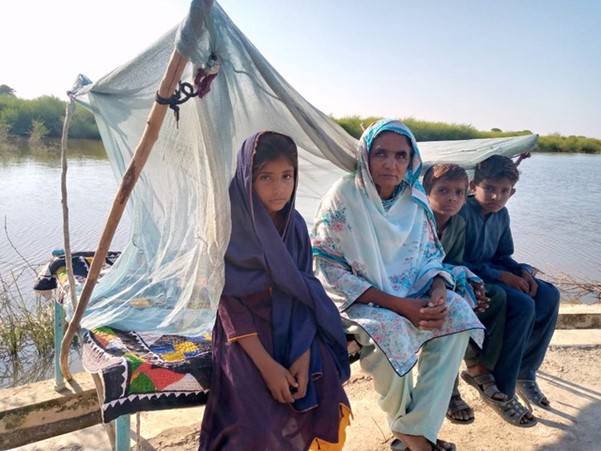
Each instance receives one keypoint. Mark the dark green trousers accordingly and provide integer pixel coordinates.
(494, 321)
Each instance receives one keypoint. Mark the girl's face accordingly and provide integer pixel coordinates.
(274, 184)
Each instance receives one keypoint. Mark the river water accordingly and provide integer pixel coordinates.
(555, 214)
(555, 220)
(555, 211)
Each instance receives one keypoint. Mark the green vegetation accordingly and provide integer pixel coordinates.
(570, 144)
(43, 117)
(4, 131)
(6, 90)
(38, 133)
(441, 131)
(26, 335)
(20, 115)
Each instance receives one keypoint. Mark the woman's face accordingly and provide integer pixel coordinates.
(274, 184)
(389, 158)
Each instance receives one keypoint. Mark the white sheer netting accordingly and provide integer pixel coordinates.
(170, 275)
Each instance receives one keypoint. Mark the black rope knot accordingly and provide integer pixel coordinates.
(185, 91)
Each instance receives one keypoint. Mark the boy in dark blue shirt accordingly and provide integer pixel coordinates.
(532, 304)
(446, 185)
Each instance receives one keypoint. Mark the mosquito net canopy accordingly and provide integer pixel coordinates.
(170, 275)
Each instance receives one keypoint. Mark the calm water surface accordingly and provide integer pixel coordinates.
(555, 213)
(555, 218)
(31, 211)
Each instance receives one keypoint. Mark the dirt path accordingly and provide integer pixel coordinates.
(570, 377)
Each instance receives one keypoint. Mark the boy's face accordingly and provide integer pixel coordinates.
(492, 194)
(447, 196)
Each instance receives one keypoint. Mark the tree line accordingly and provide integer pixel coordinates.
(43, 117)
(442, 131)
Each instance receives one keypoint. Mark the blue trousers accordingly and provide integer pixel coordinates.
(530, 323)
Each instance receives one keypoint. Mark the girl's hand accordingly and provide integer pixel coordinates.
(279, 381)
(300, 371)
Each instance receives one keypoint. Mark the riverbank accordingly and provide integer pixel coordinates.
(570, 376)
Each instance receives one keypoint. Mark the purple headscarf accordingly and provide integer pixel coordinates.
(259, 258)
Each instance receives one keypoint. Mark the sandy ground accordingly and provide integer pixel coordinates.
(570, 376)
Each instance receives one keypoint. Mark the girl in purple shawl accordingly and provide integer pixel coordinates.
(279, 350)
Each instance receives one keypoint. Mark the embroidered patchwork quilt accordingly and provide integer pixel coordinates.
(145, 371)
(140, 371)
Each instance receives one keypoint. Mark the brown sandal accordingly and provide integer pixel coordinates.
(457, 404)
(531, 393)
(478, 382)
(513, 412)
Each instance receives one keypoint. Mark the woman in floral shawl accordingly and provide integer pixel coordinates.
(279, 349)
(375, 250)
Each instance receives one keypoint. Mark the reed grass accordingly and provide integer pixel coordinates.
(26, 335)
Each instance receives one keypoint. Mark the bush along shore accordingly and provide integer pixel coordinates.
(43, 117)
(442, 131)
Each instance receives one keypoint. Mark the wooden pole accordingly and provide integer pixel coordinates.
(173, 74)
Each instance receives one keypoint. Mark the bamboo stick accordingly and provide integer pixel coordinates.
(65, 203)
(173, 73)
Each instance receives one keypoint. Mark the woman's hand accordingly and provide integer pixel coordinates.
(438, 292)
(481, 298)
(434, 313)
(423, 313)
(300, 371)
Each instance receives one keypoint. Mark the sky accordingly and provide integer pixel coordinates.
(515, 65)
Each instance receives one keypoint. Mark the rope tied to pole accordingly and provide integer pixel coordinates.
(185, 90)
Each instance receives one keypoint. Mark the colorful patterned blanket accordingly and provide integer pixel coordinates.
(53, 280)
(140, 371)
(145, 371)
